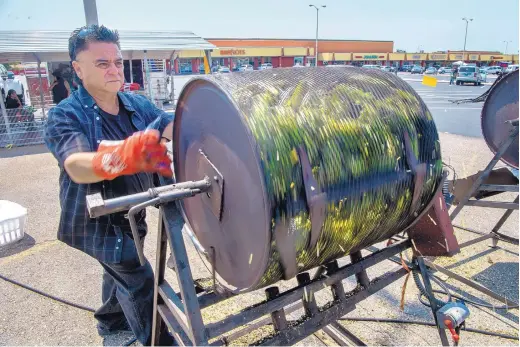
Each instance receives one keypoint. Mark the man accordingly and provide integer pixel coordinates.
(453, 75)
(60, 88)
(108, 142)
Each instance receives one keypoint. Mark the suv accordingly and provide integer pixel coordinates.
(469, 74)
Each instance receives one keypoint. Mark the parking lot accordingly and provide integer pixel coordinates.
(461, 119)
(30, 178)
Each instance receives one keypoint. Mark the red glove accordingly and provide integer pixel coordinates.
(141, 152)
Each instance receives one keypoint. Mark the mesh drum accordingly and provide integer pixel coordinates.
(307, 164)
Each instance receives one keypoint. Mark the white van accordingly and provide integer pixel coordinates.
(511, 68)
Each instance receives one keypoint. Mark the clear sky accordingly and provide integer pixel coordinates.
(412, 25)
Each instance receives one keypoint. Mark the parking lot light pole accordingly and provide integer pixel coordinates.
(317, 19)
(465, 36)
(507, 43)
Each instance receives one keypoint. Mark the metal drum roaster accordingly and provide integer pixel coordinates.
(310, 165)
(500, 107)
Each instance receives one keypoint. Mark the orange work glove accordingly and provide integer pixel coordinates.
(140, 152)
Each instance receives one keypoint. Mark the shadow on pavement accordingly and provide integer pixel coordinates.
(501, 278)
(17, 247)
(473, 257)
(21, 151)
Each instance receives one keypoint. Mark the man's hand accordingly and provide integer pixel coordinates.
(141, 152)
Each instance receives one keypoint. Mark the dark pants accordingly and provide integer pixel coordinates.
(127, 294)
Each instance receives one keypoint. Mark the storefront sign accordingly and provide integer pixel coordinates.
(497, 57)
(457, 56)
(248, 52)
(438, 56)
(415, 56)
(369, 56)
(232, 52)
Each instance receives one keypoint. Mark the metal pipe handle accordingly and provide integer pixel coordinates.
(98, 207)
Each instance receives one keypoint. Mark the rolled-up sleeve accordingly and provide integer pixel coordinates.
(63, 135)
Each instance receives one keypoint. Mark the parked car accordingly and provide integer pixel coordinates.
(416, 69)
(265, 66)
(444, 70)
(369, 66)
(431, 71)
(245, 67)
(483, 74)
(386, 68)
(223, 69)
(406, 68)
(511, 68)
(469, 74)
(495, 70)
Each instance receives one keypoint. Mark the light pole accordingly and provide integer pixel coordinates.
(507, 43)
(317, 18)
(465, 36)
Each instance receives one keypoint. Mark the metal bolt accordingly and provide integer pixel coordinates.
(215, 178)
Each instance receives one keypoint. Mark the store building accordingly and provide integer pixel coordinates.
(234, 53)
(285, 53)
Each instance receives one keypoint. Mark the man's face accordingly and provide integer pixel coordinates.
(100, 67)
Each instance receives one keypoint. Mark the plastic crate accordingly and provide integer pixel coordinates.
(13, 222)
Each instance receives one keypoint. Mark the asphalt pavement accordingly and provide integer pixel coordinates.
(462, 119)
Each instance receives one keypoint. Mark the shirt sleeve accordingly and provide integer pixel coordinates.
(158, 118)
(64, 136)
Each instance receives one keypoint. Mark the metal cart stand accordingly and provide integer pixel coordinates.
(181, 311)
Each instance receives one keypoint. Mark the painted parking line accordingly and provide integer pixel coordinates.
(453, 97)
(439, 81)
(453, 108)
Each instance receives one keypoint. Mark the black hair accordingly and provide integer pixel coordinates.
(9, 92)
(80, 38)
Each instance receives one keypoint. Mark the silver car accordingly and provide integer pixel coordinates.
(494, 70)
(265, 66)
(469, 74)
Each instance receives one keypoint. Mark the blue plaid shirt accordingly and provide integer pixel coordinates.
(75, 125)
